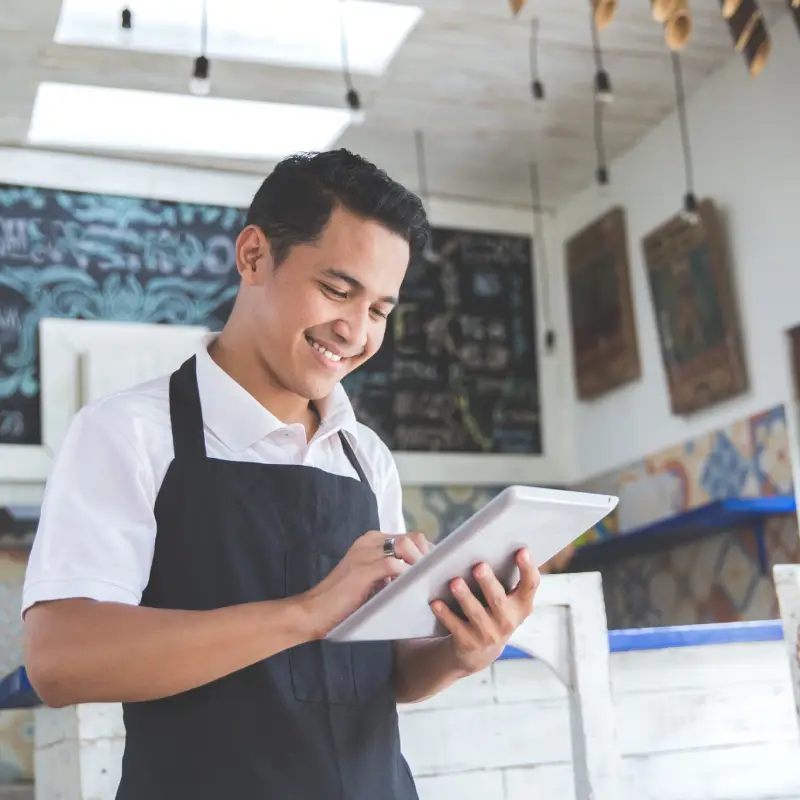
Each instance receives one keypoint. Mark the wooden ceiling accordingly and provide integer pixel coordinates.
(462, 77)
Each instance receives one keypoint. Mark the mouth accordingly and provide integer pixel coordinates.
(328, 357)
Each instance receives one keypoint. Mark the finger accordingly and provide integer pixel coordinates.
(473, 609)
(423, 543)
(388, 568)
(457, 628)
(505, 613)
(529, 577)
(492, 589)
(528, 584)
(407, 548)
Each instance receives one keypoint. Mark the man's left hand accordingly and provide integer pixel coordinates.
(480, 640)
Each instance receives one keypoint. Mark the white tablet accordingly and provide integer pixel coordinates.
(543, 520)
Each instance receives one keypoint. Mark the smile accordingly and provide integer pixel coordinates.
(334, 358)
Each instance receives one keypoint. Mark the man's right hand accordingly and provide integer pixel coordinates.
(364, 569)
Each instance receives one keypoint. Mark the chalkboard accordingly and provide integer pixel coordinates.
(101, 257)
(457, 371)
(458, 368)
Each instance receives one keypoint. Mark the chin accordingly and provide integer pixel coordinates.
(313, 389)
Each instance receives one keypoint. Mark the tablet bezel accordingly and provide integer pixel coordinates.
(593, 508)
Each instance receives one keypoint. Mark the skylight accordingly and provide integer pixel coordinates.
(295, 33)
(94, 117)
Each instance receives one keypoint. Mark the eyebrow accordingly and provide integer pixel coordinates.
(356, 284)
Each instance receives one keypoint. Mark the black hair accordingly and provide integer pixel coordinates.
(294, 203)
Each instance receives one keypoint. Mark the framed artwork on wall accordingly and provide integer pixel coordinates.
(604, 342)
(695, 310)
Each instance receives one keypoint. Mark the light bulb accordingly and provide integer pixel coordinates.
(125, 30)
(357, 115)
(690, 212)
(602, 87)
(199, 87)
(200, 82)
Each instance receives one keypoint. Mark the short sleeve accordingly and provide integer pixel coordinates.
(97, 526)
(390, 501)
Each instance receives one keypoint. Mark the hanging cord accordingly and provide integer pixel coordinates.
(422, 172)
(599, 141)
(534, 49)
(598, 55)
(348, 81)
(537, 87)
(204, 30)
(422, 178)
(684, 128)
(550, 336)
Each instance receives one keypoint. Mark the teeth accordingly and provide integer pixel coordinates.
(327, 353)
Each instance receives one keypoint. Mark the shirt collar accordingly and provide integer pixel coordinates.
(239, 420)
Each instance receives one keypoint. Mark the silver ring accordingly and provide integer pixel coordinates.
(388, 548)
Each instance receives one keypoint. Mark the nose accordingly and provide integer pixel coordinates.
(352, 329)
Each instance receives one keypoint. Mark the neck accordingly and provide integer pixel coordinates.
(231, 353)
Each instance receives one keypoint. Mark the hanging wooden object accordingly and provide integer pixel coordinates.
(693, 298)
(663, 9)
(794, 7)
(604, 11)
(750, 35)
(516, 6)
(678, 27)
(730, 7)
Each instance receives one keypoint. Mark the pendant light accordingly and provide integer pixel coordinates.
(602, 81)
(125, 27)
(537, 87)
(352, 97)
(428, 253)
(540, 264)
(200, 82)
(601, 173)
(690, 206)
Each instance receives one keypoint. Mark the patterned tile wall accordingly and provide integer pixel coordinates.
(720, 578)
(749, 458)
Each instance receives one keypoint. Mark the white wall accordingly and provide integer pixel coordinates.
(86, 173)
(744, 139)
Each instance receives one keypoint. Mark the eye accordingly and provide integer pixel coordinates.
(335, 293)
(378, 313)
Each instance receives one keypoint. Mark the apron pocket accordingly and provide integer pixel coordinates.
(373, 666)
(322, 672)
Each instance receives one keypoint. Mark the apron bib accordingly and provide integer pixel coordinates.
(316, 722)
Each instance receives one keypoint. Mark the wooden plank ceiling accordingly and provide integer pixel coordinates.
(462, 77)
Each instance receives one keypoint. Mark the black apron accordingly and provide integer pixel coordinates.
(316, 722)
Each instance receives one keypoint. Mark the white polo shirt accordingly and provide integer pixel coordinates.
(97, 527)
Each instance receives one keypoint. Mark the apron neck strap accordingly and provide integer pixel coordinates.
(186, 415)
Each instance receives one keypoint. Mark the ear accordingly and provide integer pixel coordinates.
(253, 255)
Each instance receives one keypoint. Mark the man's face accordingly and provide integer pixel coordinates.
(323, 311)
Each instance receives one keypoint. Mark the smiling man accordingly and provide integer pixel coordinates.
(202, 533)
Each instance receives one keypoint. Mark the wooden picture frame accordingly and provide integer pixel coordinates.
(695, 311)
(605, 348)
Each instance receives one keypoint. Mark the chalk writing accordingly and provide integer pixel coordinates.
(87, 256)
(459, 355)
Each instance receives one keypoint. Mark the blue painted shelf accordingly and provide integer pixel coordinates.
(17, 692)
(720, 515)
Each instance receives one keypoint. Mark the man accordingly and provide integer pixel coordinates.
(201, 533)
